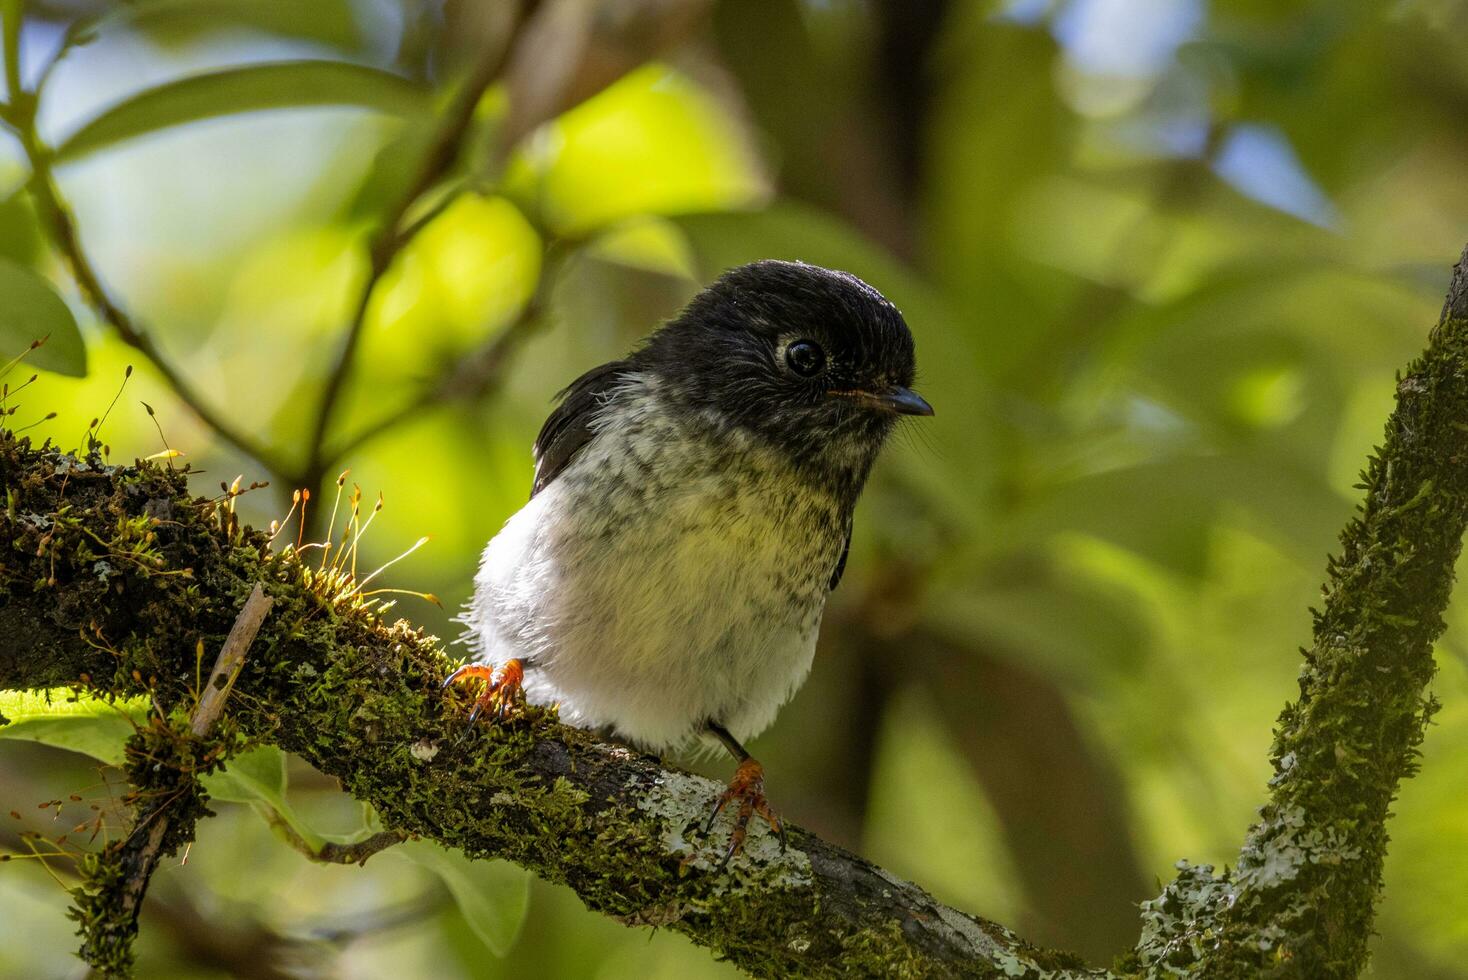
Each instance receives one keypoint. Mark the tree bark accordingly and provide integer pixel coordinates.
(1302, 899)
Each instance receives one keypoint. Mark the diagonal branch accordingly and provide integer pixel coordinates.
(391, 237)
(1302, 900)
(20, 116)
(67, 238)
(333, 852)
(360, 700)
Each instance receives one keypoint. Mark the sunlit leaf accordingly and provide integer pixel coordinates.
(251, 88)
(65, 720)
(29, 311)
(493, 896)
(258, 774)
(259, 777)
(460, 281)
(176, 22)
(649, 243)
(653, 143)
(20, 235)
(580, 51)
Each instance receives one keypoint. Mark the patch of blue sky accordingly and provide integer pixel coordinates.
(1024, 11)
(1259, 161)
(1127, 38)
(39, 42)
(1139, 39)
(1177, 134)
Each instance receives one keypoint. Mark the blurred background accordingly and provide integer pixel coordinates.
(1161, 257)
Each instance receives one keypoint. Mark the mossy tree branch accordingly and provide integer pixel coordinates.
(1302, 899)
(111, 576)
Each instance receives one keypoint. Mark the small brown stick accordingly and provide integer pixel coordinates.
(332, 852)
(231, 658)
(211, 702)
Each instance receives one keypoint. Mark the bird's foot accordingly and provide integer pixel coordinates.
(748, 789)
(501, 689)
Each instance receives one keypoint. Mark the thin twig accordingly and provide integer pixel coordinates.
(446, 200)
(473, 376)
(332, 852)
(390, 238)
(231, 658)
(110, 914)
(211, 703)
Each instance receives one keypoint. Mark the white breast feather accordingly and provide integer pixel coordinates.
(655, 609)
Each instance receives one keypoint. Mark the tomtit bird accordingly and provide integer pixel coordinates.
(691, 510)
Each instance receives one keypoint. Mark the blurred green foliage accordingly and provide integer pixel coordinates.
(1161, 261)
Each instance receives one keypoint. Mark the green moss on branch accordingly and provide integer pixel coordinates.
(167, 802)
(1301, 901)
(111, 577)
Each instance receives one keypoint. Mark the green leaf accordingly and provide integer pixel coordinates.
(250, 88)
(258, 774)
(170, 23)
(20, 233)
(30, 310)
(258, 777)
(79, 723)
(493, 896)
(654, 142)
(393, 169)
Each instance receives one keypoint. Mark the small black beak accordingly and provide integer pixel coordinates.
(896, 399)
(903, 401)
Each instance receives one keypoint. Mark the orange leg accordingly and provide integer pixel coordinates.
(499, 692)
(748, 788)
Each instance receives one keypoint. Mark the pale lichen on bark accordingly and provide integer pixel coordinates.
(1301, 900)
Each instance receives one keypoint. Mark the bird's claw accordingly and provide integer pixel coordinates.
(501, 689)
(748, 788)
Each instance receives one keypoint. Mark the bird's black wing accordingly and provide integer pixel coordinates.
(841, 562)
(569, 426)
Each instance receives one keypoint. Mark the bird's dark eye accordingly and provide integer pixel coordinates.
(805, 358)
